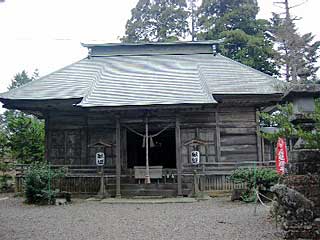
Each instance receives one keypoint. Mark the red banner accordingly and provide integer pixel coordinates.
(281, 156)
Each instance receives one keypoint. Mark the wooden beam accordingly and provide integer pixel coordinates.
(178, 156)
(47, 137)
(147, 178)
(87, 140)
(259, 148)
(84, 143)
(218, 137)
(124, 149)
(118, 158)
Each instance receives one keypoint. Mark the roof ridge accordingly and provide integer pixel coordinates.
(92, 86)
(203, 80)
(205, 42)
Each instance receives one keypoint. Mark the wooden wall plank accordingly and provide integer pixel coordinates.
(230, 157)
(228, 140)
(238, 131)
(239, 149)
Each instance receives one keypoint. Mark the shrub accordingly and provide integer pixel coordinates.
(263, 178)
(6, 180)
(37, 183)
(6, 183)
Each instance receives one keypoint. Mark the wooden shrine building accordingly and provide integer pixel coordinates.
(148, 108)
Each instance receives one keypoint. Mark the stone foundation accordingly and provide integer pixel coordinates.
(304, 177)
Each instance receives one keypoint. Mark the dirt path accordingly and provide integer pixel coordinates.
(212, 219)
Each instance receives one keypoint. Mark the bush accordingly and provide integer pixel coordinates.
(6, 180)
(6, 183)
(37, 183)
(263, 178)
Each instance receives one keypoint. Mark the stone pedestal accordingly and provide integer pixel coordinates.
(304, 177)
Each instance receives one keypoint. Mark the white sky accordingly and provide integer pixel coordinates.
(46, 34)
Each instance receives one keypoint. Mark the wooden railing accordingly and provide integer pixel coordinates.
(215, 182)
(85, 179)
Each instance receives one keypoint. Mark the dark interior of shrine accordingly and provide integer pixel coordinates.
(162, 149)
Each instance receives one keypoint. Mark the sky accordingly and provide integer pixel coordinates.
(46, 34)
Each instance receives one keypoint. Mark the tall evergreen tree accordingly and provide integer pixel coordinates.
(23, 135)
(157, 21)
(246, 37)
(3, 139)
(296, 54)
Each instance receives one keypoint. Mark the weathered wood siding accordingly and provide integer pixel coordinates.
(198, 126)
(238, 134)
(66, 137)
(229, 135)
(106, 135)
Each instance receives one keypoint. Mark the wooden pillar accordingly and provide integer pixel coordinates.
(218, 137)
(118, 158)
(47, 137)
(124, 159)
(259, 148)
(87, 162)
(84, 142)
(178, 156)
(147, 177)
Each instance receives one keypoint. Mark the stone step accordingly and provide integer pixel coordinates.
(148, 197)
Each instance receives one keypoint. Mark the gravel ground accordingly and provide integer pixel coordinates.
(213, 219)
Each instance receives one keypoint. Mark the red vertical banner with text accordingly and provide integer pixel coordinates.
(281, 156)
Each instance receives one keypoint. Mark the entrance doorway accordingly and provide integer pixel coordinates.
(162, 149)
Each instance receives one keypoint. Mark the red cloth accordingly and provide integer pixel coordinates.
(281, 156)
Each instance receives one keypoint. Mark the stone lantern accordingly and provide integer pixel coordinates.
(302, 97)
(304, 166)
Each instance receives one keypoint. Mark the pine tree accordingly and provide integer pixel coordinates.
(246, 38)
(216, 16)
(297, 54)
(21, 135)
(157, 21)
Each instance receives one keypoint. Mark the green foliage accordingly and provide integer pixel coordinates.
(37, 183)
(25, 135)
(312, 138)
(216, 16)
(157, 21)
(21, 135)
(3, 143)
(286, 129)
(6, 183)
(263, 178)
(281, 120)
(247, 38)
(22, 78)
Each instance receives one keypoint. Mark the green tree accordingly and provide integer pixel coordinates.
(282, 120)
(296, 54)
(247, 38)
(3, 139)
(25, 137)
(23, 134)
(157, 21)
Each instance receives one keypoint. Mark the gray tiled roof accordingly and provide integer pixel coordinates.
(146, 80)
